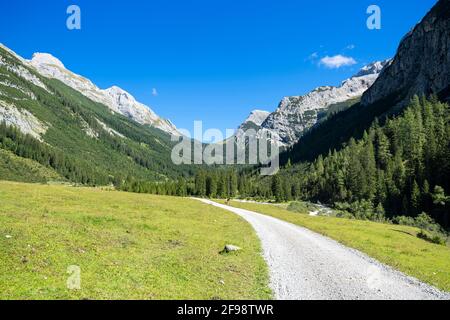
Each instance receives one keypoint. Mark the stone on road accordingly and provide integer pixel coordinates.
(304, 265)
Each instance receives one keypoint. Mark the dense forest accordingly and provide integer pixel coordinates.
(398, 168)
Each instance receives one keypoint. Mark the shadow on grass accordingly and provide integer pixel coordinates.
(405, 232)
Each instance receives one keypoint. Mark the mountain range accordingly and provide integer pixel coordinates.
(117, 99)
(66, 124)
(297, 114)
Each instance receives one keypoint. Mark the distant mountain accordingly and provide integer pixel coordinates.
(295, 115)
(421, 65)
(254, 120)
(117, 99)
(49, 130)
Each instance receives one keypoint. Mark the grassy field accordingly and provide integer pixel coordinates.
(127, 246)
(394, 245)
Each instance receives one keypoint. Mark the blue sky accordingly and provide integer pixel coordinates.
(213, 61)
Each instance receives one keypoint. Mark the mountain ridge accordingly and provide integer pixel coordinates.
(116, 98)
(254, 120)
(297, 114)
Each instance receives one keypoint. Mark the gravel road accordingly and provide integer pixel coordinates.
(307, 266)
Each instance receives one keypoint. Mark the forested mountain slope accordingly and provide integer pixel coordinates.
(401, 168)
(46, 121)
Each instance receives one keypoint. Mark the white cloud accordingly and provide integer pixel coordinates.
(154, 92)
(350, 47)
(337, 61)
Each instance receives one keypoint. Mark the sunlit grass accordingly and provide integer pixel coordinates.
(128, 246)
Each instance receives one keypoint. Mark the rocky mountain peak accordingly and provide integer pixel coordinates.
(257, 117)
(46, 59)
(121, 96)
(373, 68)
(253, 121)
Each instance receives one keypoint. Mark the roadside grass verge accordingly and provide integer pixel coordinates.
(128, 246)
(395, 245)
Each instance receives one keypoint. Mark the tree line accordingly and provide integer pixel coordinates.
(220, 183)
(398, 168)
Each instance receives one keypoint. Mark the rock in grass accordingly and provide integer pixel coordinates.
(230, 248)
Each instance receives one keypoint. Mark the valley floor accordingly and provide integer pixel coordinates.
(122, 246)
(117, 245)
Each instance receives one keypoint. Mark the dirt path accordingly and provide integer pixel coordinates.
(305, 265)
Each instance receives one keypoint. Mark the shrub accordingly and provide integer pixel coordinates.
(404, 221)
(433, 238)
(361, 210)
(344, 214)
(342, 206)
(299, 207)
(422, 221)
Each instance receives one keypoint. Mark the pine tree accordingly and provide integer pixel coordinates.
(369, 167)
(277, 189)
(232, 184)
(222, 185)
(383, 154)
(416, 200)
(200, 184)
(211, 185)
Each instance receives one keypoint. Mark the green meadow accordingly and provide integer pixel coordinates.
(126, 246)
